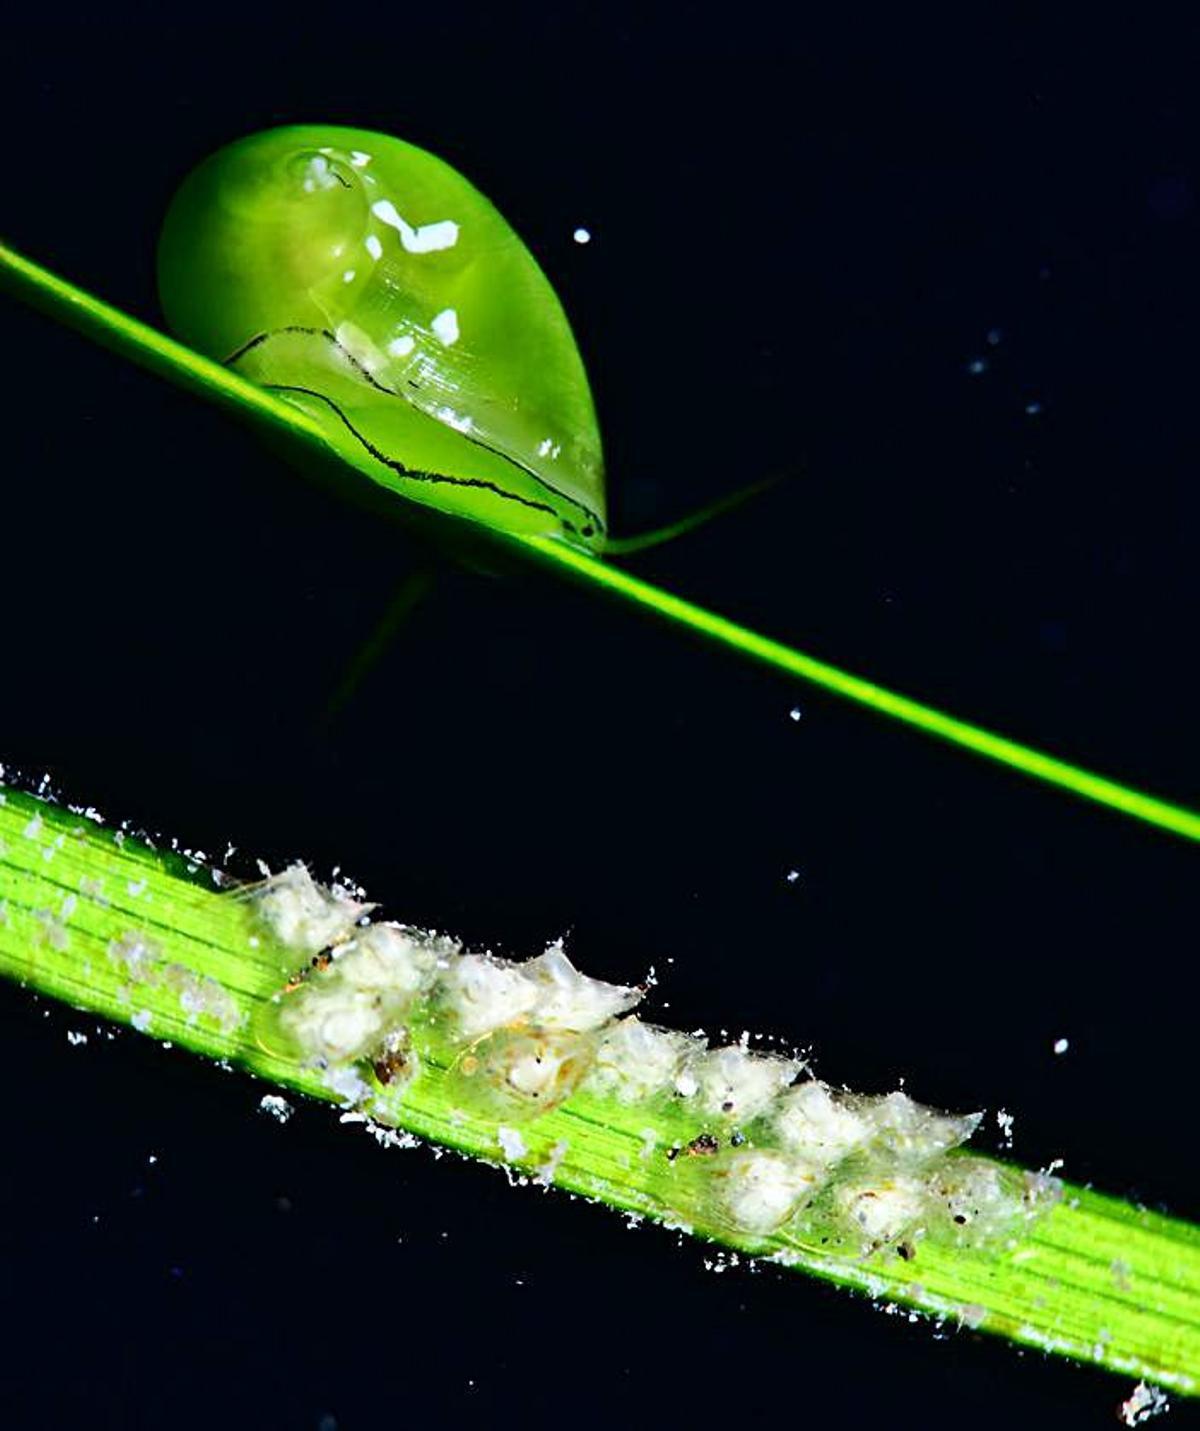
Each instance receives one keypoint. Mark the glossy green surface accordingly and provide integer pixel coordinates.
(370, 284)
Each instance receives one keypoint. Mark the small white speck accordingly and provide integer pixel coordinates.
(34, 828)
(1032, 409)
(275, 1106)
(977, 366)
(582, 235)
(402, 346)
(359, 159)
(137, 887)
(445, 327)
(1061, 1045)
(793, 876)
(75, 1039)
(373, 246)
(152, 1159)
(795, 713)
(348, 276)
(141, 1020)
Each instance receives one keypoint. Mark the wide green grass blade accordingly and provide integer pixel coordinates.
(1094, 1280)
(153, 350)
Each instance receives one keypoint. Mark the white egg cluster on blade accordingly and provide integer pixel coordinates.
(725, 1136)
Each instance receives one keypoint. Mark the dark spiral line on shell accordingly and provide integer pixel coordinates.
(411, 473)
(370, 379)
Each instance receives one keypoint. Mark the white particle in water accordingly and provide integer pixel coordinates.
(1143, 1403)
(582, 235)
(977, 366)
(1061, 1045)
(275, 1107)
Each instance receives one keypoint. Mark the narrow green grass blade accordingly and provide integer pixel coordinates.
(1094, 1280)
(172, 360)
(146, 346)
(723, 632)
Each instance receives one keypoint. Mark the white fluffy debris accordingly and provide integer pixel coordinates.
(635, 1061)
(818, 1125)
(138, 958)
(1143, 1402)
(761, 1190)
(734, 1082)
(304, 915)
(275, 1107)
(548, 1171)
(512, 1145)
(347, 1085)
(567, 999)
(880, 1209)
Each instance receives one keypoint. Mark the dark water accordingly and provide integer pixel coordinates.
(803, 240)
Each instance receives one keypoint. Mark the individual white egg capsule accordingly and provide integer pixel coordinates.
(567, 999)
(880, 1209)
(480, 993)
(760, 1190)
(635, 1061)
(972, 1201)
(913, 1133)
(392, 960)
(520, 1073)
(303, 915)
(734, 1082)
(330, 1022)
(819, 1125)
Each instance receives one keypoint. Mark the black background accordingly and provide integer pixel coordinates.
(802, 237)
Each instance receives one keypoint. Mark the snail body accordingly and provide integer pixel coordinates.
(369, 283)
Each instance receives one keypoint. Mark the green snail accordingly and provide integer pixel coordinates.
(368, 282)
(354, 293)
